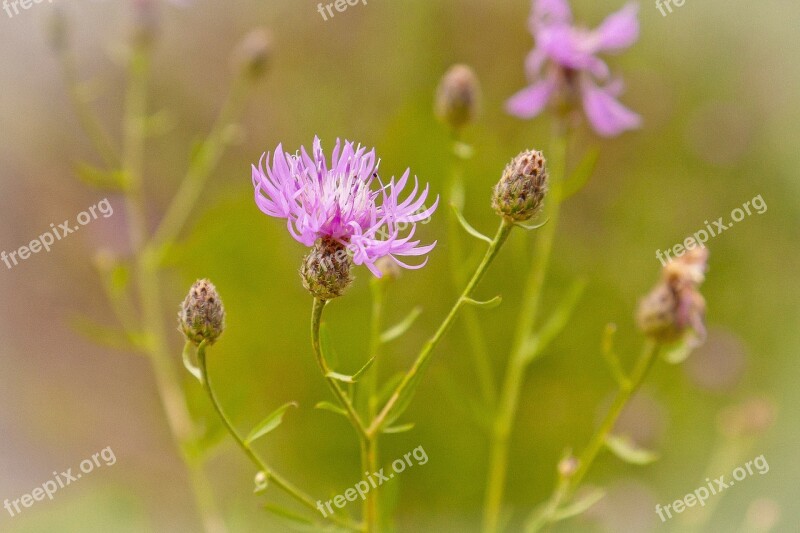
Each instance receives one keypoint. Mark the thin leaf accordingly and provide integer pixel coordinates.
(678, 351)
(99, 178)
(580, 506)
(351, 379)
(328, 406)
(189, 364)
(469, 229)
(289, 516)
(269, 423)
(401, 328)
(531, 227)
(388, 388)
(558, 321)
(104, 335)
(399, 429)
(488, 304)
(580, 176)
(628, 451)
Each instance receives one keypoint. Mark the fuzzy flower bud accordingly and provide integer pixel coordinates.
(519, 195)
(253, 53)
(458, 97)
(326, 269)
(675, 305)
(202, 315)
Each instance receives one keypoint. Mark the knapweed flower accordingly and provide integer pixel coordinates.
(519, 195)
(202, 315)
(565, 64)
(345, 202)
(675, 309)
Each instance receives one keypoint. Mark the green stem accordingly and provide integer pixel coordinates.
(341, 396)
(271, 475)
(370, 453)
(425, 354)
(203, 162)
(472, 324)
(86, 116)
(167, 381)
(570, 484)
(515, 373)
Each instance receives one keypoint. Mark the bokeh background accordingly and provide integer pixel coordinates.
(717, 85)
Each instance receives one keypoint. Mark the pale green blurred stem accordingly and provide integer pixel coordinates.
(202, 165)
(367, 442)
(472, 325)
(427, 350)
(569, 484)
(518, 361)
(272, 476)
(86, 116)
(156, 346)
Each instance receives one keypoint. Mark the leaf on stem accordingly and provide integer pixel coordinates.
(469, 229)
(189, 364)
(677, 352)
(580, 176)
(628, 451)
(401, 328)
(399, 429)
(531, 227)
(488, 304)
(355, 377)
(111, 180)
(328, 406)
(580, 506)
(557, 322)
(268, 424)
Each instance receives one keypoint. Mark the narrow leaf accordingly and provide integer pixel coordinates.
(269, 423)
(289, 516)
(400, 329)
(678, 351)
(533, 226)
(628, 451)
(580, 176)
(469, 229)
(488, 304)
(580, 506)
(189, 364)
(104, 335)
(557, 322)
(611, 358)
(399, 429)
(328, 406)
(99, 178)
(388, 388)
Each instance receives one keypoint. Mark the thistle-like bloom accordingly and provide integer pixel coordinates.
(565, 63)
(346, 202)
(202, 315)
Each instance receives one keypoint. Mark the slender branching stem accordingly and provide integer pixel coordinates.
(518, 360)
(570, 483)
(271, 476)
(427, 350)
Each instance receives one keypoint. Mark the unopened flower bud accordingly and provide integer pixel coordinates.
(675, 305)
(458, 97)
(202, 315)
(253, 53)
(568, 466)
(519, 195)
(326, 269)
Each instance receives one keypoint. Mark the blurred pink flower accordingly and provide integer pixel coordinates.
(565, 57)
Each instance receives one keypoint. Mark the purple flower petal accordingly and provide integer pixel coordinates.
(619, 30)
(608, 117)
(530, 101)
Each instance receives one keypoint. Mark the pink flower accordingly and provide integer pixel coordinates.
(346, 202)
(565, 60)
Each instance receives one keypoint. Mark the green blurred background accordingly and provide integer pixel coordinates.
(717, 85)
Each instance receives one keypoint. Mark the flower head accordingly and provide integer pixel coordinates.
(520, 193)
(345, 202)
(202, 315)
(565, 61)
(458, 97)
